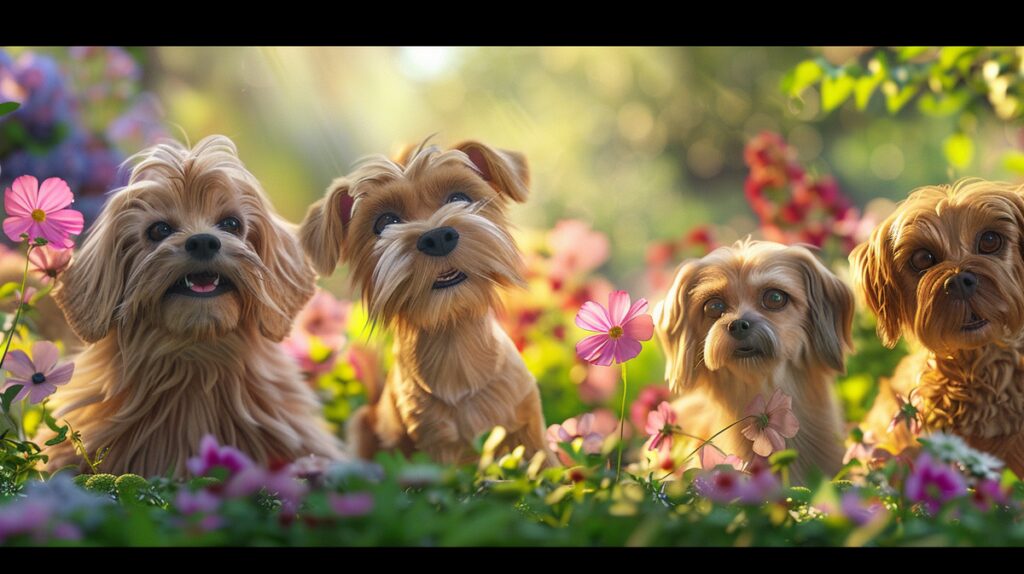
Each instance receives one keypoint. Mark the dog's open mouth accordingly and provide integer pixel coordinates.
(202, 284)
(449, 278)
(974, 323)
(747, 352)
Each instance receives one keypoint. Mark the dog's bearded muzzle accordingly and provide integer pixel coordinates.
(747, 342)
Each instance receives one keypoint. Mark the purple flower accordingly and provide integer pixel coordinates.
(40, 375)
(856, 511)
(212, 455)
(280, 483)
(988, 493)
(24, 517)
(191, 503)
(354, 504)
(933, 483)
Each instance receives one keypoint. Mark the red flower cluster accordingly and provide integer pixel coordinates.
(792, 205)
(662, 256)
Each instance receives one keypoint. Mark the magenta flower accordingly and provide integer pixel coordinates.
(622, 326)
(933, 483)
(49, 262)
(720, 485)
(648, 400)
(711, 456)
(908, 412)
(40, 212)
(571, 430)
(773, 423)
(351, 505)
(989, 493)
(202, 501)
(212, 455)
(39, 376)
(661, 425)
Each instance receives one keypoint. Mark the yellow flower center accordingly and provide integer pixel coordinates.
(615, 332)
(39, 215)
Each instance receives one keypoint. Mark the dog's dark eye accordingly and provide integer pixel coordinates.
(384, 221)
(159, 231)
(231, 225)
(774, 299)
(922, 259)
(989, 242)
(458, 196)
(714, 308)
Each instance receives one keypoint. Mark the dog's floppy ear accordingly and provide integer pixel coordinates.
(505, 170)
(289, 283)
(871, 264)
(829, 311)
(323, 230)
(677, 332)
(91, 288)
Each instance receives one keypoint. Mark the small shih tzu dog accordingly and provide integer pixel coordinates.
(428, 245)
(946, 271)
(183, 288)
(746, 320)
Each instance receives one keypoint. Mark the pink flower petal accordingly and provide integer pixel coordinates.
(593, 317)
(778, 443)
(570, 427)
(68, 220)
(39, 392)
(785, 422)
(640, 328)
(639, 307)
(21, 196)
(762, 444)
(592, 443)
(626, 349)
(54, 194)
(756, 406)
(15, 226)
(61, 375)
(586, 422)
(44, 356)
(18, 363)
(26, 386)
(593, 349)
(655, 422)
(618, 306)
(667, 412)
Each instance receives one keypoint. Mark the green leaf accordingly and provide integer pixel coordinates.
(8, 289)
(783, 458)
(805, 74)
(864, 89)
(959, 150)
(943, 105)
(1014, 161)
(8, 107)
(911, 52)
(62, 431)
(8, 397)
(835, 91)
(896, 98)
(950, 55)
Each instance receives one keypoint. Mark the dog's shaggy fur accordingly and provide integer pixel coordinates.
(168, 363)
(798, 347)
(456, 373)
(968, 366)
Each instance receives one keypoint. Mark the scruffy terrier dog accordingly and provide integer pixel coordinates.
(428, 245)
(946, 271)
(746, 320)
(183, 288)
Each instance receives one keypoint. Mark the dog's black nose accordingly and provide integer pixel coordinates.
(202, 246)
(438, 242)
(962, 285)
(739, 329)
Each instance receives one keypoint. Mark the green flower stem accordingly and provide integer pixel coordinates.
(704, 443)
(14, 328)
(622, 423)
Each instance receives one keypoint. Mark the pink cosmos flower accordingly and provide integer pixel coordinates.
(41, 211)
(908, 412)
(622, 326)
(325, 317)
(576, 248)
(648, 399)
(933, 483)
(661, 425)
(212, 455)
(571, 430)
(39, 376)
(49, 262)
(350, 505)
(711, 456)
(773, 423)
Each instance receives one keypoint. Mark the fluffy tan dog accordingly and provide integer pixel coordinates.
(184, 286)
(428, 245)
(749, 319)
(946, 271)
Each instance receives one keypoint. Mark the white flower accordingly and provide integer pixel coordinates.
(947, 447)
(982, 464)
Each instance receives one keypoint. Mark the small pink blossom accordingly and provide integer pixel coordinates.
(863, 449)
(352, 504)
(576, 249)
(908, 412)
(41, 212)
(648, 399)
(621, 326)
(773, 423)
(49, 262)
(857, 511)
(212, 455)
(202, 501)
(711, 456)
(661, 425)
(571, 430)
(40, 375)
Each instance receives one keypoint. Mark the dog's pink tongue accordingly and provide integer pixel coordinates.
(202, 282)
